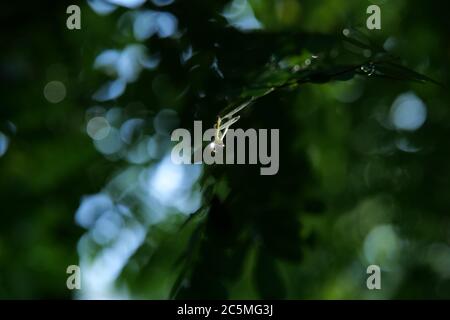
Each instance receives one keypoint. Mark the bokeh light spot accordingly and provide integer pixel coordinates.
(4, 143)
(55, 91)
(98, 128)
(408, 112)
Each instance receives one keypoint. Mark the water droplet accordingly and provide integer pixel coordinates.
(369, 69)
(296, 68)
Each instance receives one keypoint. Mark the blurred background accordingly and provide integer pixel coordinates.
(86, 176)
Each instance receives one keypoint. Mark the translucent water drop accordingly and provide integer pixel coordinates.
(296, 68)
(364, 68)
(368, 69)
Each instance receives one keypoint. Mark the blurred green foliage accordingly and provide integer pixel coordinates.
(352, 189)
